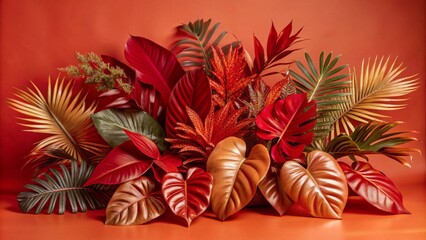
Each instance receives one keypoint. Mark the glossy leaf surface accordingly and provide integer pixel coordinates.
(288, 121)
(188, 198)
(111, 123)
(372, 185)
(154, 65)
(235, 176)
(272, 189)
(124, 163)
(321, 188)
(135, 202)
(192, 90)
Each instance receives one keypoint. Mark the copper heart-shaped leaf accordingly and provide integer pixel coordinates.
(188, 198)
(321, 188)
(372, 185)
(273, 191)
(135, 202)
(235, 177)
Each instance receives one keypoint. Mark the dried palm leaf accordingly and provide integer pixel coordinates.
(63, 116)
(379, 88)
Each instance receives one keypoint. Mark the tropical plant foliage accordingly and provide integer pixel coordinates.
(57, 189)
(197, 128)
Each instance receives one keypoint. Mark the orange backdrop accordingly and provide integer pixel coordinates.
(37, 36)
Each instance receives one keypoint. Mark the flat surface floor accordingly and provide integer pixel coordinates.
(360, 221)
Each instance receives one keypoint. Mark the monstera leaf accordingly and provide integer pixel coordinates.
(193, 90)
(135, 202)
(273, 191)
(235, 176)
(288, 121)
(188, 198)
(110, 124)
(154, 65)
(321, 188)
(374, 187)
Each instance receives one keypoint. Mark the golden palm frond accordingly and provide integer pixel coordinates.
(379, 88)
(62, 115)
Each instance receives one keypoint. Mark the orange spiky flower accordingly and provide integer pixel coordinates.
(194, 143)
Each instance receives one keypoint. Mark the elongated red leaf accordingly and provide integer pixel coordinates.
(372, 185)
(122, 164)
(135, 202)
(321, 188)
(144, 144)
(154, 65)
(192, 90)
(259, 53)
(169, 162)
(290, 122)
(273, 191)
(188, 198)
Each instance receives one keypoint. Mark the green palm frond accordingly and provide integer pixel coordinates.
(195, 49)
(58, 189)
(327, 85)
(379, 88)
(62, 115)
(372, 138)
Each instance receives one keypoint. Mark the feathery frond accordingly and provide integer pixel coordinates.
(327, 85)
(372, 138)
(196, 142)
(229, 77)
(59, 189)
(63, 116)
(379, 88)
(195, 49)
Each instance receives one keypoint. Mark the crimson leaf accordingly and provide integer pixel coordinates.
(372, 185)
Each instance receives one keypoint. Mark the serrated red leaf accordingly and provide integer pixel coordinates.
(188, 198)
(144, 144)
(372, 185)
(154, 65)
(192, 90)
(288, 121)
(122, 164)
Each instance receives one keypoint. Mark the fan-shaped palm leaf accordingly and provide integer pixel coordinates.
(63, 116)
(194, 50)
(325, 85)
(379, 88)
(372, 139)
(58, 188)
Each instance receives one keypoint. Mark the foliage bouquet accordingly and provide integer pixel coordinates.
(196, 127)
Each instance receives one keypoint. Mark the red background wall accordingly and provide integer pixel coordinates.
(37, 36)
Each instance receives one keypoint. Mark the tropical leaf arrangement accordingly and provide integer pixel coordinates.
(196, 128)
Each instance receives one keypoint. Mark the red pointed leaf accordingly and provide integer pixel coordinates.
(144, 144)
(169, 163)
(272, 39)
(374, 187)
(193, 90)
(154, 64)
(259, 56)
(122, 164)
(289, 121)
(188, 198)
